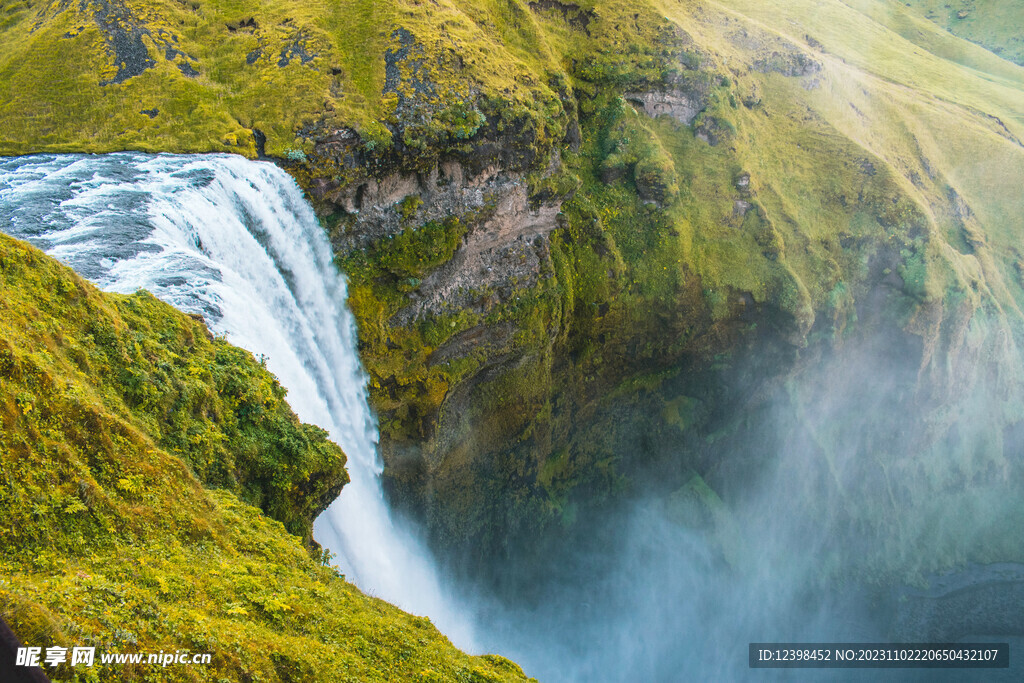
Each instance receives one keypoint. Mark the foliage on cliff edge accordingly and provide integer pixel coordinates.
(133, 449)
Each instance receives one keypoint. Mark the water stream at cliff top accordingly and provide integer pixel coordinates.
(235, 241)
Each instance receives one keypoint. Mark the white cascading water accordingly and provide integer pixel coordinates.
(235, 241)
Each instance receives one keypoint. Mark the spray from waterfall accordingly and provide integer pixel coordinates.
(235, 241)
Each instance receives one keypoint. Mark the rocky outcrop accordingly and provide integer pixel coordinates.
(504, 249)
(123, 32)
(505, 252)
(571, 13)
(774, 54)
(681, 105)
(792, 63)
(685, 91)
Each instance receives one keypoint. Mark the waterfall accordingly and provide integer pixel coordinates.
(235, 241)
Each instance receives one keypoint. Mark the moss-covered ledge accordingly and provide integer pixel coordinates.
(158, 494)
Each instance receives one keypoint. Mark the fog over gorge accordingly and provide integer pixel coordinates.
(877, 489)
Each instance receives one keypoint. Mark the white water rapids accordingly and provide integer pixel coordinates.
(235, 241)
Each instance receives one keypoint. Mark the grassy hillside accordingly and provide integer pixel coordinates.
(993, 24)
(949, 131)
(205, 76)
(149, 476)
(207, 73)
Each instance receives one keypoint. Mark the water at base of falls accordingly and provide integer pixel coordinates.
(235, 241)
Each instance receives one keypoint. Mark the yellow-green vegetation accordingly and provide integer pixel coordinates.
(993, 24)
(381, 278)
(214, 72)
(71, 359)
(132, 452)
(219, 75)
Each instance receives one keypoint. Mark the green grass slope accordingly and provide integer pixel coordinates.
(948, 131)
(204, 76)
(134, 449)
(207, 73)
(993, 24)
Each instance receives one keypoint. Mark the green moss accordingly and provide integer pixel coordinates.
(130, 442)
(412, 253)
(408, 207)
(201, 400)
(989, 23)
(544, 186)
(406, 388)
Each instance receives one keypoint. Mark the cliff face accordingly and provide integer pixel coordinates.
(156, 488)
(583, 238)
(728, 217)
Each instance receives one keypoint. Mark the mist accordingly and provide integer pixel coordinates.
(866, 496)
